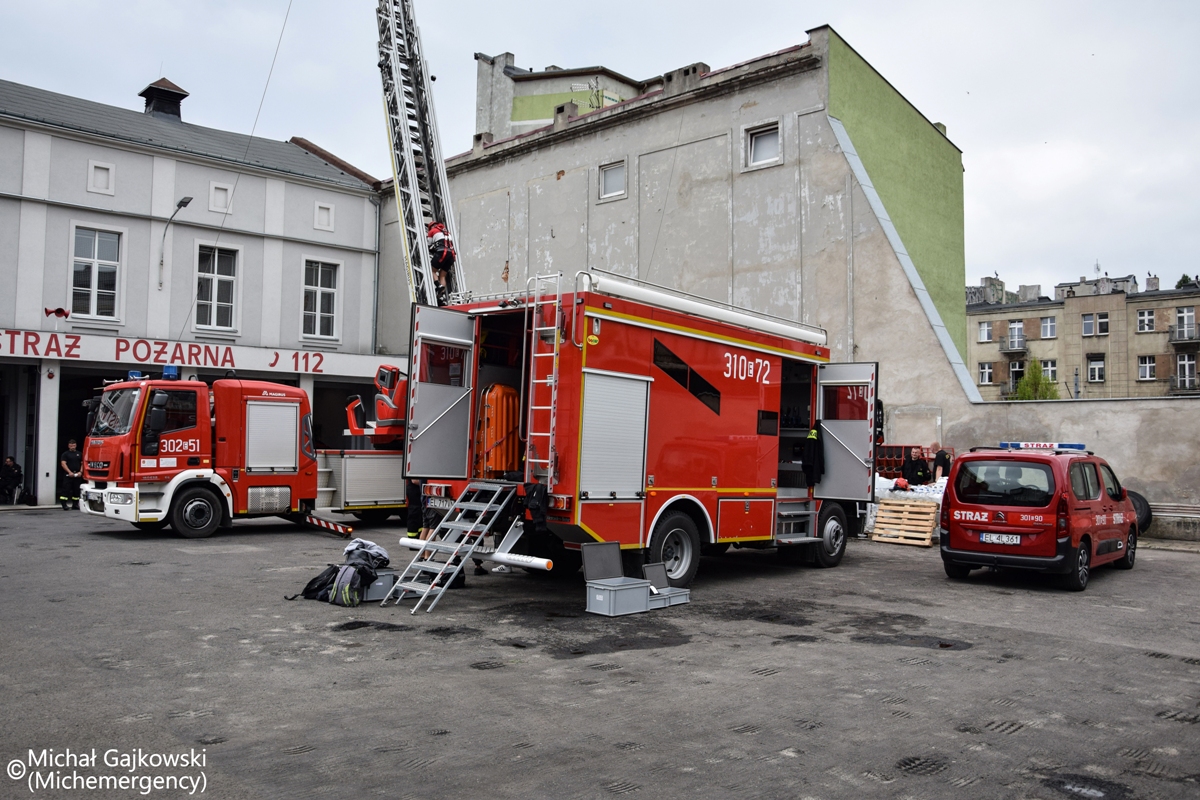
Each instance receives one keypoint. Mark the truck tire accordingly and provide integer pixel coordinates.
(1126, 561)
(676, 543)
(1142, 509)
(956, 571)
(151, 527)
(832, 529)
(1080, 569)
(195, 513)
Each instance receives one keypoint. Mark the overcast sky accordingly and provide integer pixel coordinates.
(1078, 121)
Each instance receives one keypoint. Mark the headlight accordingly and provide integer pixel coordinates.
(119, 499)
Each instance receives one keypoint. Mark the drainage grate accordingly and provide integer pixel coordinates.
(809, 724)
(211, 740)
(622, 787)
(487, 665)
(962, 783)
(523, 745)
(919, 765)
(1193, 661)
(1155, 654)
(747, 729)
(606, 668)
(764, 671)
(914, 661)
(894, 701)
(439, 732)
(299, 749)
(629, 745)
(1179, 716)
(878, 776)
(902, 714)
(417, 763)
(1009, 728)
(1003, 701)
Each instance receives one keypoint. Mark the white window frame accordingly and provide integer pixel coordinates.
(1185, 367)
(1049, 327)
(317, 206)
(239, 271)
(91, 177)
(1019, 368)
(1144, 315)
(212, 197)
(601, 197)
(748, 134)
(1087, 325)
(1185, 318)
(1050, 369)
(337, 299)
(1102, 323)
(119, 319)
(1147, 374)
(986, 373)
(985, 331)
(1095, 374)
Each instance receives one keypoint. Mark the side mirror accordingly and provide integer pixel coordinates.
(157, 420)
(1124, 493)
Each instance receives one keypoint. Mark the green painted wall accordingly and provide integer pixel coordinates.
(541, 106)
(916, 171)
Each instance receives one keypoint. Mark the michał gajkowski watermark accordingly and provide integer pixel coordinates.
(136, 771)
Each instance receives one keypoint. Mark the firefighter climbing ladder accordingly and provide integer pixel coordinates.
(545, 337)
(441, 557)
(417, 166)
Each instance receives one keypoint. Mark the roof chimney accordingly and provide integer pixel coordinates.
(163, 99)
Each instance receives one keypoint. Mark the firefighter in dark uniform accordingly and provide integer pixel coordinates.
(71, 462)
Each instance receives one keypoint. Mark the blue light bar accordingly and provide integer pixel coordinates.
(135, 375)
(1042, 446)
(170, 372)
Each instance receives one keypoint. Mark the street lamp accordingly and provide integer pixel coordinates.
(182, 204)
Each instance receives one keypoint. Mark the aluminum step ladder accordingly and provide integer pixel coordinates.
(422, 194)
(544, 304)
(440, 558)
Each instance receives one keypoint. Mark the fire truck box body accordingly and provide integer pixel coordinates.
(652, 418)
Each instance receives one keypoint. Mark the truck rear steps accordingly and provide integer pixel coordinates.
(440, 558)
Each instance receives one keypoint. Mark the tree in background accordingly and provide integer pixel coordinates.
(1184, 281)
(1036, 386)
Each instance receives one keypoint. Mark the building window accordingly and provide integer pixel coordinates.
(1016, 333)
(323, 217)
(101, 177)
(94, 274)
(1095, 369)
(320, 299)
(1089, 325)
(1102, 324)
(985, 331)
(1049, 328)
(220, 197)
(1050, 369)
(1146, 368)
(1185, 322)
(1016, 371)
(985, 373)
(762, 145)
(1145, 320)
(216, 285)
(1185, 370)
(612, 180)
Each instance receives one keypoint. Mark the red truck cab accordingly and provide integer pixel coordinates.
(1043, 507)
(183, 453)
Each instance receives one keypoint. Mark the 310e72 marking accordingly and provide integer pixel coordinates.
(747, 369)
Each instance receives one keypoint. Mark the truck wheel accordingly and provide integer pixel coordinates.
(1142, 509)
(1126, 561)
(1081, 567)
(831, 527)
(956, 571)
(151, 527)
(196, 513)
(677, 544)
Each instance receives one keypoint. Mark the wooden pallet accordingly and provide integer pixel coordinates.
(905, 522)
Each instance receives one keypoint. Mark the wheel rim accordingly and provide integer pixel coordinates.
(834, 535)
(1131, 548)
(1084, 560)
(676, 552)
(197, 513)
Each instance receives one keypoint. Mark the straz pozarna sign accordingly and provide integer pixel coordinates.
(136, 353)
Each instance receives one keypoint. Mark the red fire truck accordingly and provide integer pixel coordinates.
(196, 456)
(665, 422)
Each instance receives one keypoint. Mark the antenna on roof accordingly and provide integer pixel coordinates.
(1097, 268)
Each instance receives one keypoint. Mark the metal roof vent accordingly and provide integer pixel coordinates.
(163, 99)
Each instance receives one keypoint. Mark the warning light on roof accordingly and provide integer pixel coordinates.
(1042, 446)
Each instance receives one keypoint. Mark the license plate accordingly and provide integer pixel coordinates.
(441, 503)
(999, 538)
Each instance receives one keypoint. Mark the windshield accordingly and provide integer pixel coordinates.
(1005, 483)
(117, 410)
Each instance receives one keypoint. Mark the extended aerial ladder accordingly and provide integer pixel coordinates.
(417, 166)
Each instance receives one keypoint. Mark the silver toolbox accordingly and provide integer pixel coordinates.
(382, 585)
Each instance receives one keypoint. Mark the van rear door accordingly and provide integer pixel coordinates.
(441, 374)
(846, 415)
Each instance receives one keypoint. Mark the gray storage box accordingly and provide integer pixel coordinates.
(382, 585)
(663, 594)
(613, 597)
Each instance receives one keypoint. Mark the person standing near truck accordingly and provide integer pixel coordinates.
(71, 462)
(10, 479)
(941, 462)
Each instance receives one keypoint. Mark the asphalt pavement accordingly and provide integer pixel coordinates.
(880, 678)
